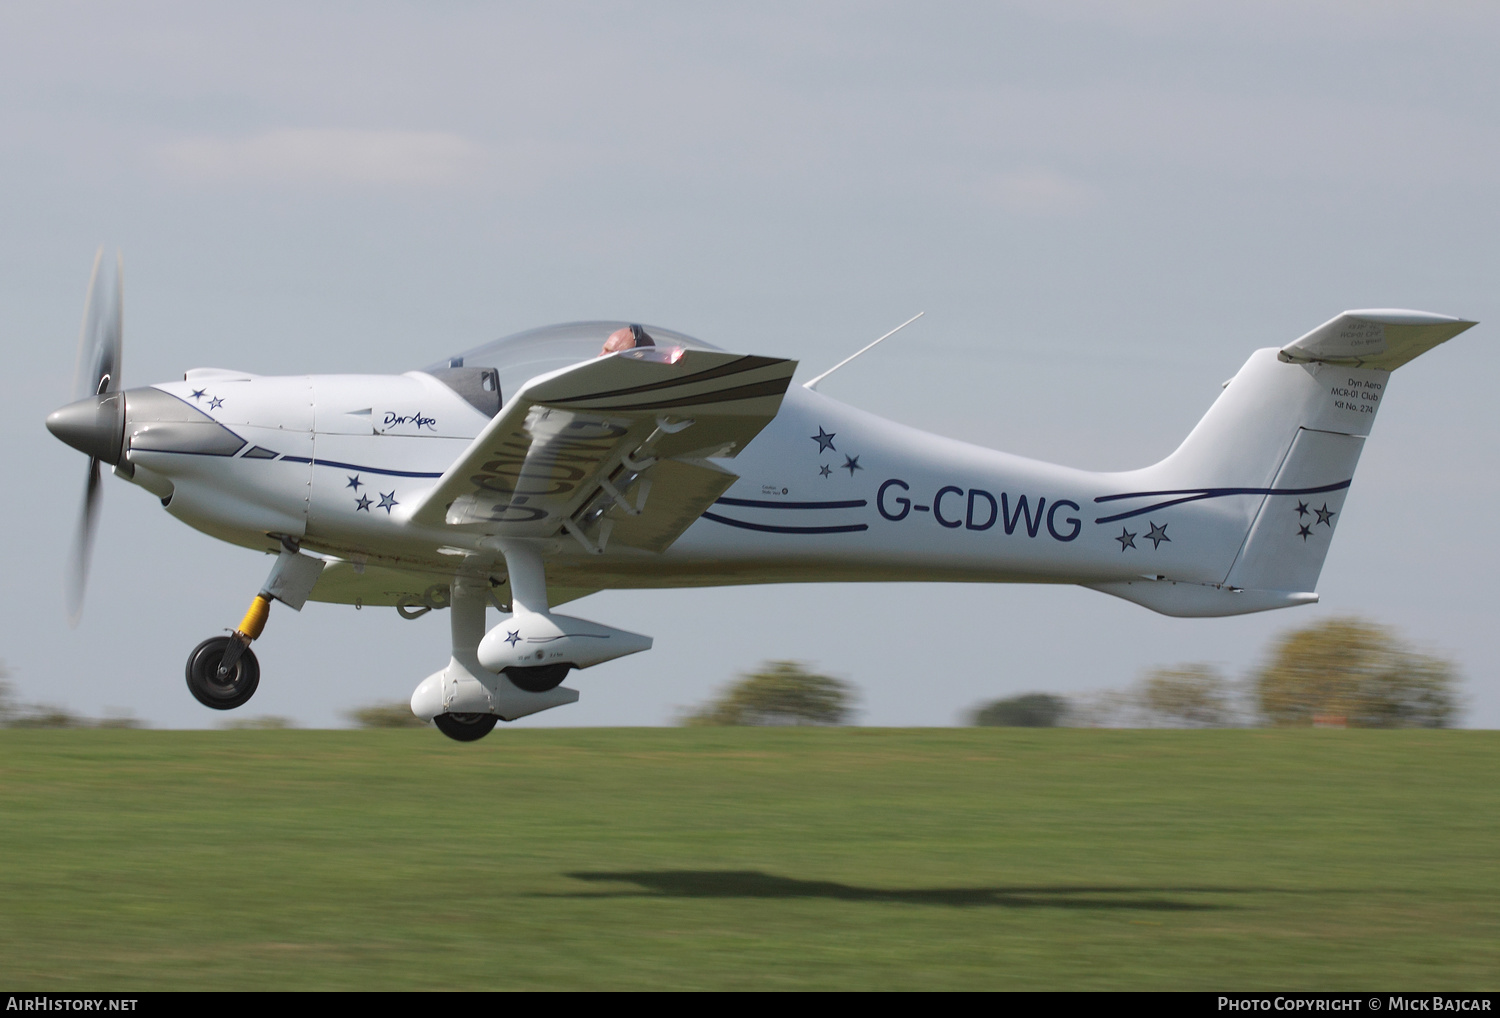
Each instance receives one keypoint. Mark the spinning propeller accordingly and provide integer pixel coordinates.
(94, 423)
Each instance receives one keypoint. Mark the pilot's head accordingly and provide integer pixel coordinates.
(628, 338)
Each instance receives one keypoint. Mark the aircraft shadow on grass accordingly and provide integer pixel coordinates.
(755, 884)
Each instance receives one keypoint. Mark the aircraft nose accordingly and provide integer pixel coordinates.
(94, 426)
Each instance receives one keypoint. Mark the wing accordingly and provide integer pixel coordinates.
(612, 450)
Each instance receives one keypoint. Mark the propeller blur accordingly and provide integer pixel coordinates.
(94, 423)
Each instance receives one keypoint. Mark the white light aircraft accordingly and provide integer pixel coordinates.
(545, 466)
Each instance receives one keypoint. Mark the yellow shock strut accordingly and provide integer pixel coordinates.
(250, 628)
(255, 619)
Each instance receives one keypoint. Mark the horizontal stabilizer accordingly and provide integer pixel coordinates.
(1382, 338)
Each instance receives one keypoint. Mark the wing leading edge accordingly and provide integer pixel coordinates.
(613, 450)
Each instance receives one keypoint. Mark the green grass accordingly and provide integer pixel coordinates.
(750, 858)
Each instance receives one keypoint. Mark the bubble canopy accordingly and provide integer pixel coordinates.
(522, 356)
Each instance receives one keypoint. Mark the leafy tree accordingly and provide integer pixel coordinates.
(1104, 708)
(8, 705)
(781, 693)
(1356, 673)
(1029, 710)
(44, 715)
(14, 714)
(1188, 696)
(260, 723)
(114, 718)
(396, 714)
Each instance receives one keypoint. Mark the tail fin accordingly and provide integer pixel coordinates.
(1286, 434)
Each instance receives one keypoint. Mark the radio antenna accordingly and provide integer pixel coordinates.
(814, 383)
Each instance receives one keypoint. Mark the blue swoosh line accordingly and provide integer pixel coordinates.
(847, 529)
(1195, 494)
(355, 466)
(763, 504)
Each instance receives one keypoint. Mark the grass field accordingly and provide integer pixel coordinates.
(750, 859)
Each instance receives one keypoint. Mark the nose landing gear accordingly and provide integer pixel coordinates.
(222, 671)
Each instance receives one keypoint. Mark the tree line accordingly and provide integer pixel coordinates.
(16, 714)
(1342, 673)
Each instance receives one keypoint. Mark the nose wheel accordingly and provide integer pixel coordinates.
(217, 687)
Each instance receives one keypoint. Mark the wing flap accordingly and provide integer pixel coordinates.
(680, 491)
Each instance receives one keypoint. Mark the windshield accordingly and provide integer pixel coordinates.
(524, 355)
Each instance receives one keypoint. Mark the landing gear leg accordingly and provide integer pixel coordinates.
(528, 595)
(222, 671)
(466, 620)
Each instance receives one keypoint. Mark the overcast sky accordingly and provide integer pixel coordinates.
(1103, 209)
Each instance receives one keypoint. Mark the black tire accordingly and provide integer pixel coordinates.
(465, 727)
(537, 678)
(203, 675)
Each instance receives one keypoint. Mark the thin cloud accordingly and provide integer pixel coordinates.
(323, 156)
(1038, 193)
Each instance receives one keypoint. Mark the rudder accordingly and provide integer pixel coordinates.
(1290, 535)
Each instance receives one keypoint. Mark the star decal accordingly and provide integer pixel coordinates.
(851, 464)
(825, 470)
(512, 638)
(355, 483)
(1301, 509)
(1325, 515)
(387, 502)
(1126, 539)
(197, 394)
(362, 503)
(1304, 532)
(215, 403)
(1157, 536)
(824, 439)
